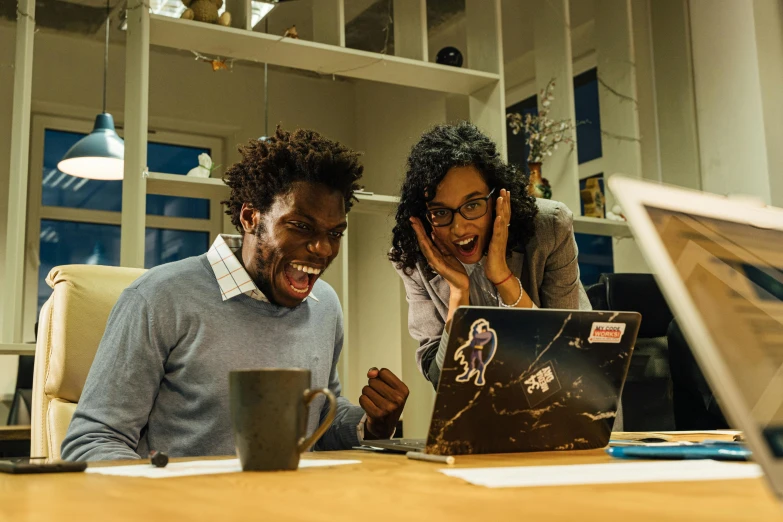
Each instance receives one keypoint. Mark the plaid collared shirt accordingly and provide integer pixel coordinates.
(231, 275)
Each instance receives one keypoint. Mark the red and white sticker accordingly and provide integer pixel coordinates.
(606, 332)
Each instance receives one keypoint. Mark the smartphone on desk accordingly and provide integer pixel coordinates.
(25, 465)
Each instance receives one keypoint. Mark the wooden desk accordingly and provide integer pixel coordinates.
(382, 487)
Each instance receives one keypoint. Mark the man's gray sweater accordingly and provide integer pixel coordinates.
(160, 377)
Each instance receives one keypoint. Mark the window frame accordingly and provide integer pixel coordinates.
(36, 211)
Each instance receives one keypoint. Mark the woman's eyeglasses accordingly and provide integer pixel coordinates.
(473, 209)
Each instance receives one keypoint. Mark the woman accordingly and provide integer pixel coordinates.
(467, 232)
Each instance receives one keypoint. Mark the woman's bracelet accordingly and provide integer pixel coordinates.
(521, 292)
(509, 276)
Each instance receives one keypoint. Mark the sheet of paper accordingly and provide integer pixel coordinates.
(614, 473)
(703, 432)
(199, 467)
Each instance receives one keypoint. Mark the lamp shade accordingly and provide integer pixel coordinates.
(99, 155)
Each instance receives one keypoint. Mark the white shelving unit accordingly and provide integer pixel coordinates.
(240, 44)
(601, 227)
(190, 186)
(17, 349)
(372, 295)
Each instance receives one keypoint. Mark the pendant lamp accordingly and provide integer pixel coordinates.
(100, 154)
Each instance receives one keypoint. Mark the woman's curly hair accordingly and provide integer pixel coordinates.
(438, 151)
(270, 167)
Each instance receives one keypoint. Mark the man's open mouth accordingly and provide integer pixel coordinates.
(301, 278)
(467, 246)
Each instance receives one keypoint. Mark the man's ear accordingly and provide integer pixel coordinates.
(249, 217)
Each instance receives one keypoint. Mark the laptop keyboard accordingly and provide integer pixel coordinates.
(419, 444)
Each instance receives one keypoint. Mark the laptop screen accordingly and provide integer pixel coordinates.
(734, 274)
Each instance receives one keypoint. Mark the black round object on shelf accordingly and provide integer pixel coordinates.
(449, 56)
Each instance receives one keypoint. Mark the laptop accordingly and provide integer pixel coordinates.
(719, 263)
(517, 380)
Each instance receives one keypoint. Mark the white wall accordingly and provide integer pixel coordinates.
(768, 16)
(389, 121)
(675, 97)
(730, 114)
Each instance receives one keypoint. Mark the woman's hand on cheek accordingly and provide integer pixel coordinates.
(496, 268)
(440, 259)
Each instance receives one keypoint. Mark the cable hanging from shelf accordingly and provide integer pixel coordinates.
(387, 29)
(620, 137)
(217, 62)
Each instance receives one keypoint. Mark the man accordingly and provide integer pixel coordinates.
(160, 376)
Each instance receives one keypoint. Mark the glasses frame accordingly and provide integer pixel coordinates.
(459, 209)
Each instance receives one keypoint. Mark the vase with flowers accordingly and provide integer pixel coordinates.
(543, 135)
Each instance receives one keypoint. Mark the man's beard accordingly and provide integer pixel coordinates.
(263, 262)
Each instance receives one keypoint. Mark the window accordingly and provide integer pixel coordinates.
(586, 108)
(77, 221)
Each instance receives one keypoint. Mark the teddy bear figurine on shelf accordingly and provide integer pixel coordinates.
(206, 11)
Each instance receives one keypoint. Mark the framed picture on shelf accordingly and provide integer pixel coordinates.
(592, 195)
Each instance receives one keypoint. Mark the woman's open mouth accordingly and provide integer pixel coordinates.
(467, 246)
(301, 278)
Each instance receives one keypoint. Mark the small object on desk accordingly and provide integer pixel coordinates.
(715, 450)
(158, 459)
(442, 459)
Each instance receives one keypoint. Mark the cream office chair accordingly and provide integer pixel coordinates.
(70, 328)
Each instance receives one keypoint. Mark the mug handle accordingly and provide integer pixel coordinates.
(309, 395)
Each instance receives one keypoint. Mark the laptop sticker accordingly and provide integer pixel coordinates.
(606, 333)
(541, 384)
(475, 355)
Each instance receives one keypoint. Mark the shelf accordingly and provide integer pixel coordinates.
(17, 349)
(185, 186)
(8, 433)
(189, 186)
(601, 227)
(375, 204)
(228, 42)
